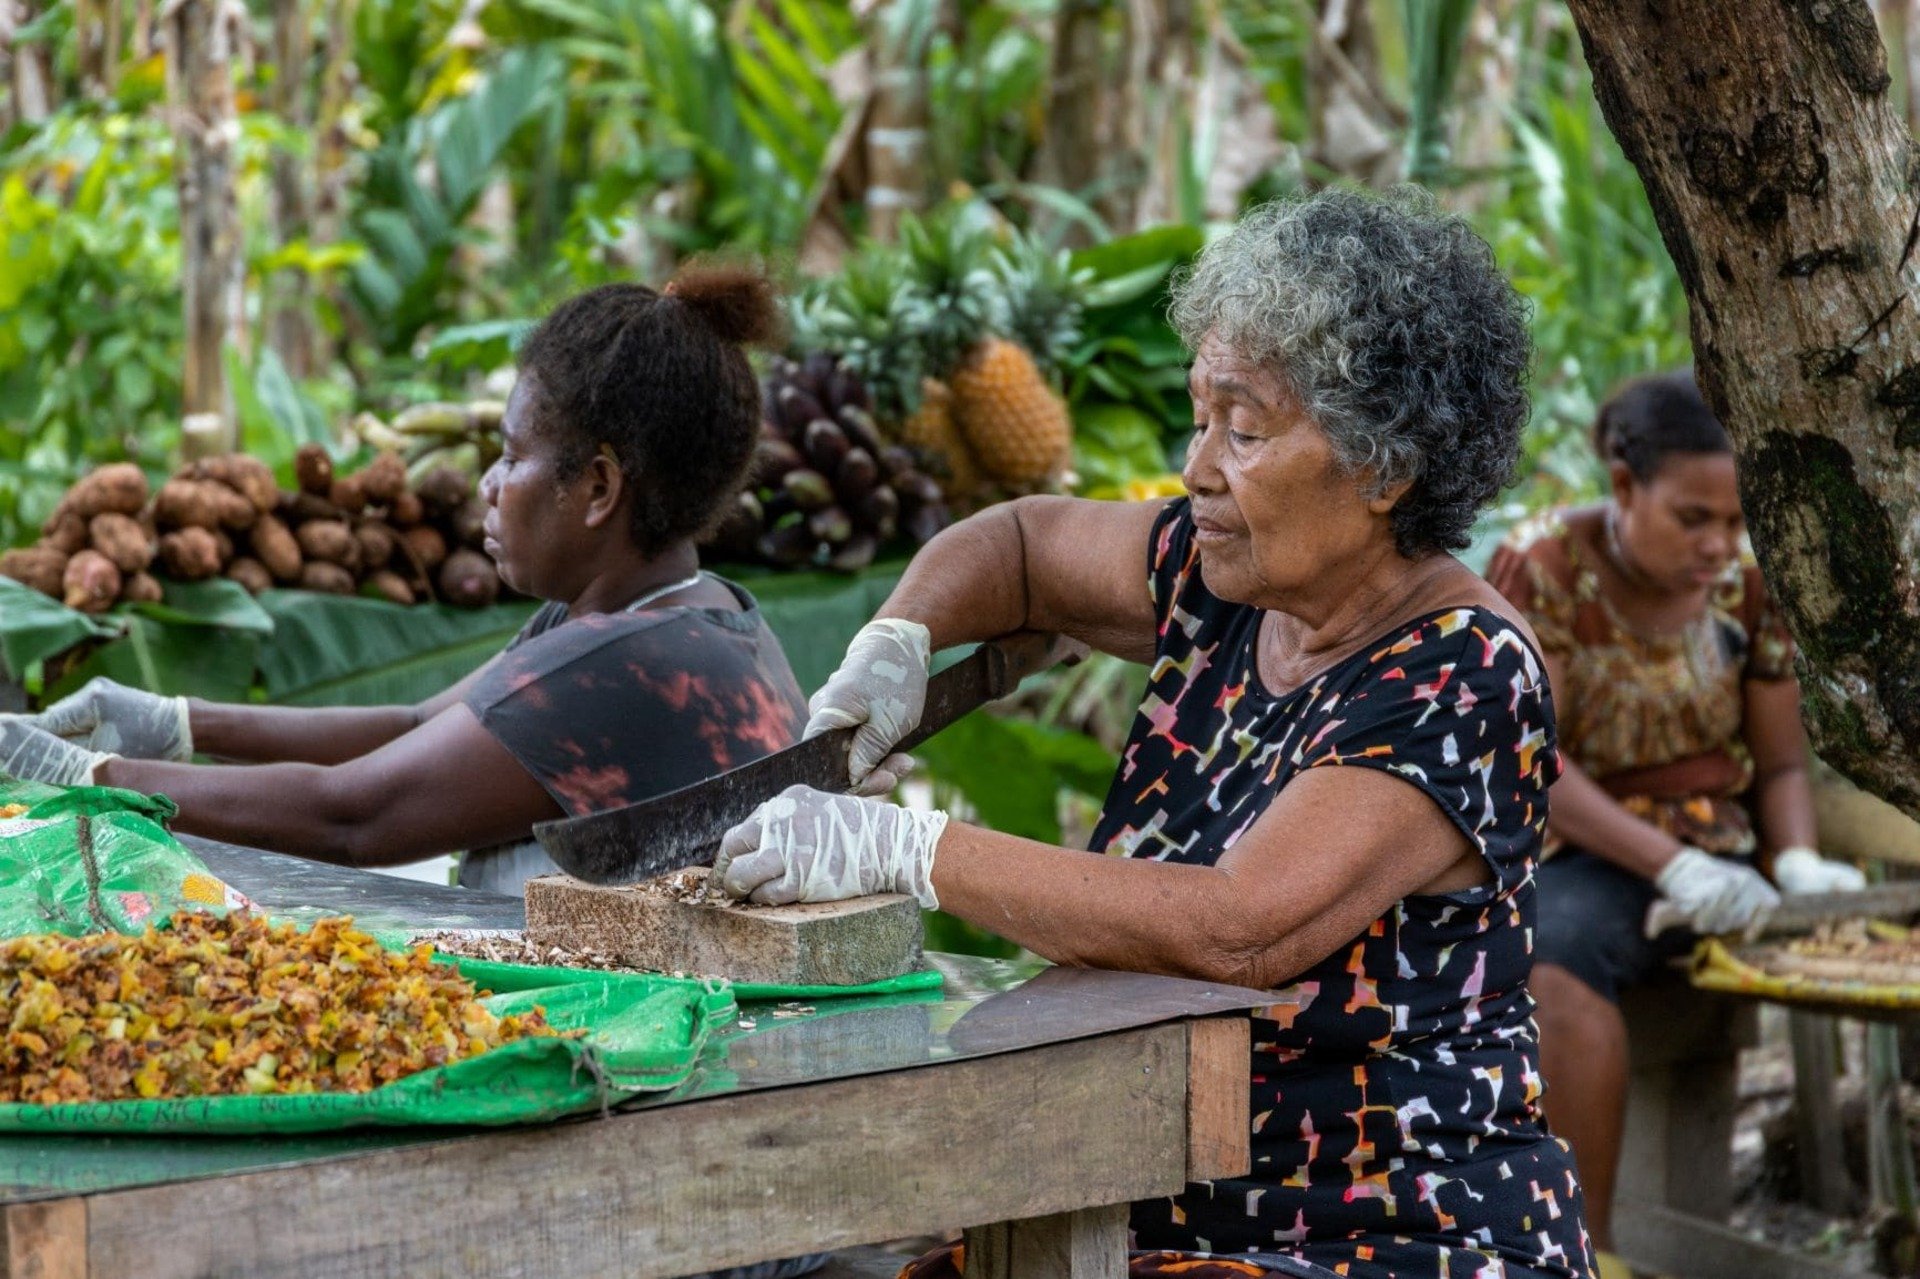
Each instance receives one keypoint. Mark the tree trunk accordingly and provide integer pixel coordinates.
(290, 326)
(1351, 124)
(31, 80)
(1073, 142)
(1783, 180)
(897, 161)
(200, 95)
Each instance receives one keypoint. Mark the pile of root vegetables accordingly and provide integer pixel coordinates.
(113, 540)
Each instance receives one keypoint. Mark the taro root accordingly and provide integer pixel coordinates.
(330, 578)
(329, 540)
(443, 490)
(206, 504)
(253, 479)
(91, 582)
(383, 479)
(121, 539)
(348, 494)
(250, 573)
(65, 530)
(376, 544)
(224, 545)
(43, 568)
(406, 511)
(141, 588)
(298, 508)
(468, 580)
(120, 487)
(275, 547)
(314, 470)
(390, 586)
(190, 554)
(425, 546)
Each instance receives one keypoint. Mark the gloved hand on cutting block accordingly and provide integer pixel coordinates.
(806, 845)
(1715, 894)
(32, 754)
(105, 716)
(1800, 871)
(879, 690)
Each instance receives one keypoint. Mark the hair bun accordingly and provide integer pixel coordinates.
(738, 303)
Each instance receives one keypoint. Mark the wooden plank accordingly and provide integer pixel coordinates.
(1681, 1096)
(685, 1188)
(1824, 1182)
(45, 1240)
(1089, 1244)
(1679, 1245)
(862, 1263)
(1219, 1103)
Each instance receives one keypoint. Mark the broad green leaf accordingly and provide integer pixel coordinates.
(291, 411)
(34, 627)
(486, 345)
(177, 661)
(1011, 771)
(1165, 246)
(331, 650)
(217, 602)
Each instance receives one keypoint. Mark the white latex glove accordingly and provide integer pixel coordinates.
(1716, 895)
(805, 845)
(1801, 870)
(886, 775)
(105, 716)
(34, 755)
(880, 689)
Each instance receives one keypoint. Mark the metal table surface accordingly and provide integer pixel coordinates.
(986, 1007)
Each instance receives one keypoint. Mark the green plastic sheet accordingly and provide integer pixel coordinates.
(644, 1034)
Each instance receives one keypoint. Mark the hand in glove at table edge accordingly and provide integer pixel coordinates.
(34, 755)
(806, 845)
(1801, 870)
(105, 716)
(1715, 894)
(879, 690)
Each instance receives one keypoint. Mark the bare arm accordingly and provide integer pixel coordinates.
(445, 785)
(1335, 850)
(1060, 564)
(307, 734)
(1582, 814)
(1782, 792)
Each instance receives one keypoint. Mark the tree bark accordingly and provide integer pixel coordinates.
(1783, 179)
(290, 326)
(31, 78)
(200, 94)
(1073, 141)
(898, 176)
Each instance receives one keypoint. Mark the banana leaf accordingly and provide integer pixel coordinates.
(333, 650)
(34, 628)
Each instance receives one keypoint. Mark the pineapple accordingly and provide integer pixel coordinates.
(932, 432)
(1015, 423)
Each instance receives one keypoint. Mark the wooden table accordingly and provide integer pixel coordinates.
(1028, 1104)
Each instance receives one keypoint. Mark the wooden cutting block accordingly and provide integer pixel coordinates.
(663, 926)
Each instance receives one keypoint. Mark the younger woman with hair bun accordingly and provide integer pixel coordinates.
(1679, 725)
(626, 437)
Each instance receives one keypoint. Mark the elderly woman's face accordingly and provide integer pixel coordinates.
(1273, 508)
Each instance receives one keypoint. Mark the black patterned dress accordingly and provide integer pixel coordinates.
(1396, 1122)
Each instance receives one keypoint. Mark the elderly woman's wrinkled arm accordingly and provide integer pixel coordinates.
(1336, 849)
(1060, 564)
(447, 784)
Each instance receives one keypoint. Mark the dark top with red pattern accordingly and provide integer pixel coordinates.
(1395, 1084)
(613, 708)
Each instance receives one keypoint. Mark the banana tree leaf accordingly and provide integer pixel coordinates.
(217, 602)
(34, 628)
(1157, 248)
(338, 650)
(175, 659)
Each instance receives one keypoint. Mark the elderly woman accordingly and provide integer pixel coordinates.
(1337, 783)
(1686, 772)
(627, 435)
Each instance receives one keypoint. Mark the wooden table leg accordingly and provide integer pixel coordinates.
(1824, 1182)
(1089, 1244)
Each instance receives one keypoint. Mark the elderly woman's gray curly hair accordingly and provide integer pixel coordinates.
(1395, 332)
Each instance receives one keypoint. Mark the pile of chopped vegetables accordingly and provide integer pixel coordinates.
(212, 1005)
(8, 811)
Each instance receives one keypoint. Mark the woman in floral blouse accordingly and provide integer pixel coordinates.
(1336, 784)
(1679, 721)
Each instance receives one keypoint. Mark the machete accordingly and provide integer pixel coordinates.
(683, 827)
